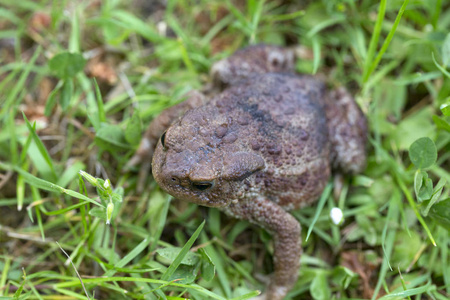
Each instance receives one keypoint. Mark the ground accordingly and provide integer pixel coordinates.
(56, 120)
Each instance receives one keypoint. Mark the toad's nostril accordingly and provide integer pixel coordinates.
(202, 185)
(175, 179)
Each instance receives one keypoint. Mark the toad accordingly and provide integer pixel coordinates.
(261, 142)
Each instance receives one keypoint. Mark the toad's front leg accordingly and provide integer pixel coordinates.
(285, 230)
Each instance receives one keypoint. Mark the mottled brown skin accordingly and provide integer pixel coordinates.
(263, 146)
(257, 59)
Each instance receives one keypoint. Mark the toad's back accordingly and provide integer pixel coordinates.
(281, 118)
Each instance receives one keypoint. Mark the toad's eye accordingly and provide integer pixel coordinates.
(163, 139)
(276, 60)
(202, 185)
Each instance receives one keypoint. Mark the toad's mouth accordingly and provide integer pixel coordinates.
(198, 197)
(204, 198)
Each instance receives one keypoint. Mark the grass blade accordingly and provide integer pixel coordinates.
(387, 41)
(414, 207)
(40, 146)
(323, 199)
(46, 185)
(129, 257)
(5, 271)
(247, 296)
(64, 210)
(20, 289)
(388, 246)
(100, 107)
(100, 280)
(219, 262)
(76, 271)
(74, 41)
(13, 138)
(374, 40)
(407, 293)
(20, 191)
(174, 265)
(316, 51)
(19, 86)
(442, 69)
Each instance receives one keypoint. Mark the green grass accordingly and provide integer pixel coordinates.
(56, 120)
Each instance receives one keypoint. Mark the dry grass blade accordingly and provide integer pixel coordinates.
(76, 271)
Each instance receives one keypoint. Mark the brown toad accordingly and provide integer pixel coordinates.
(264, 145)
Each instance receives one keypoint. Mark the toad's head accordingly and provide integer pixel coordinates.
(200, 159)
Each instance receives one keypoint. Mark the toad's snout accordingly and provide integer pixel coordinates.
(184, 172)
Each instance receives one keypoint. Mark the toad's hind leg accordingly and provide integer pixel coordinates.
(285, 230)
(347, 129)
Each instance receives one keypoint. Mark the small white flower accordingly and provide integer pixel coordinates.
(162, 28)
(336, 215)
